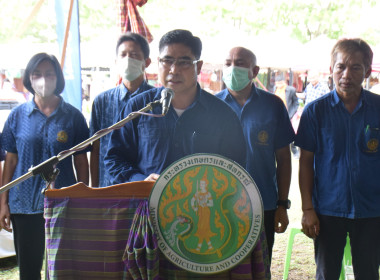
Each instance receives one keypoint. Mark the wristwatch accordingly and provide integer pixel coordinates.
(284, 203)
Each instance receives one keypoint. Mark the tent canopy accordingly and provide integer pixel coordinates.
(101, 53)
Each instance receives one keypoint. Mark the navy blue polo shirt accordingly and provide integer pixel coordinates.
(34, 137)
(346, 155)
(148, 144)
(105, 112)
(266, 127)
(2, 152)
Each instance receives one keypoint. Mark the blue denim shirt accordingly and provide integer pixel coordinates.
(34, 137)
(266, 127)
(148, 144)
(105, 112)
(2, 152)
(346, 155)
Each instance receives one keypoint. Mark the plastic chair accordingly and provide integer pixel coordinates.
(347, 261)
(289, 248)
(292, 233)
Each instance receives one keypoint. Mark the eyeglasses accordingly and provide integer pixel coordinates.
(181, 63)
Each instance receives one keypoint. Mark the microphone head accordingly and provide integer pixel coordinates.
(166, 93)
(166, 97)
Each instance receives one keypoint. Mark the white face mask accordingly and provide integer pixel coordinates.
(44, 87)
(130, 69)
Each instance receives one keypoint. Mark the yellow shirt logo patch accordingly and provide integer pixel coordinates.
(62, 136)
(372, 145)
(263, 137)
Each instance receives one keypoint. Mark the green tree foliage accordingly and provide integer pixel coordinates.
(304, 19)
(310, 19)
(13, 15)
(96, 17)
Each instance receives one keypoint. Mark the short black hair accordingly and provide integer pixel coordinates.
(32, 65)
(138, 39)
(185, 37)
(351, 46)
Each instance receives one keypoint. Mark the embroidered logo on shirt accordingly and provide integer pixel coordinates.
(372, 145)
(263, 137)
(62, 136)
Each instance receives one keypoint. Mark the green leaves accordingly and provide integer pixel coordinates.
(304, 19)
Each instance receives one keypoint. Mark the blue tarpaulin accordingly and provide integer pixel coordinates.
(72, 67)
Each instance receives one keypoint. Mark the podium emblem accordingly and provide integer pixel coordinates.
(207, 213)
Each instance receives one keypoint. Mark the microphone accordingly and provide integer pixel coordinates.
(166, 97)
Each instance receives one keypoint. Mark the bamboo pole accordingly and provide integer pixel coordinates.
(25, 24)
(66, 34)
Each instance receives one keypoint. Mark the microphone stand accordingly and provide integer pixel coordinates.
(47, 168)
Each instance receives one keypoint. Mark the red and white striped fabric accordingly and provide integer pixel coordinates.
(130, 19)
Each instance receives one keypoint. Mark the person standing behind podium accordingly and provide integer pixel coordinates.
(132, 51)
(197, 122)
(268, 133)
(289, 97)
(34, 132)
(339, 176)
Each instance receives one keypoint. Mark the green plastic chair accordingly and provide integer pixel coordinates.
(289, 248)
(347, 261)
(292, 233)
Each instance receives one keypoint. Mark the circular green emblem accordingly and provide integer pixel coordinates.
(207, 213)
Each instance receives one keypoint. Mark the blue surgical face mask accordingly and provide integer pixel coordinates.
(236, 78)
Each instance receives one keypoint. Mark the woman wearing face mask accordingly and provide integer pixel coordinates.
(34, 132)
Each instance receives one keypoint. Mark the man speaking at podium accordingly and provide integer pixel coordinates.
(196, 121)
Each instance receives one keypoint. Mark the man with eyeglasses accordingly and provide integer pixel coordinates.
(132, 57)
(197, 122)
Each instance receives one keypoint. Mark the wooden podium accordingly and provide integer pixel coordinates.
(87, 229)
(87, 232)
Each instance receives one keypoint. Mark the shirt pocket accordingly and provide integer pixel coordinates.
(330, 141)
(152, 135)
(369, 141)
(204, 142)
